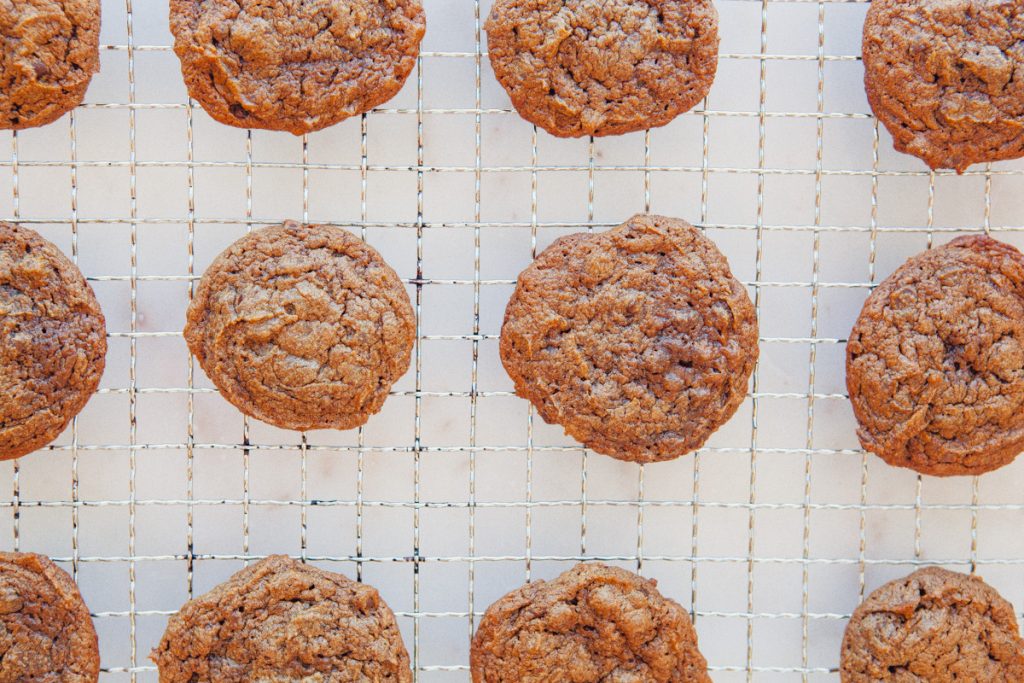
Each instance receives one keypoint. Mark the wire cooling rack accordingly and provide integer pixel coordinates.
(456, 493)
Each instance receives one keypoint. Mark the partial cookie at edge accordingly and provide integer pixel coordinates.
(578, 68)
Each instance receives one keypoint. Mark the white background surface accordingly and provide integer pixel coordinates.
(771, 534)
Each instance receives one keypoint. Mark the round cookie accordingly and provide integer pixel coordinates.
(592, 623)
(281, 620)
(603, 67)
(297, 66)
(46, 633)
(638, 341)
(53, 341)
(302, 326)
(935, 362)
(51, 51)
(946, 77)
(933, 626)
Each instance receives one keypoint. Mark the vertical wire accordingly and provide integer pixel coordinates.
(758, 268)
(15, 465)
(304, 442)
(695, 491)
(133, 342)
(919, 479)
(813, 353)
(872, 254)
(361, 437)
(640, 468)
(976, 480)
(246, 450)
(534, 180)
(418, 443)
(73, 139)
(585, 453)
(190, 367)
(474, 370)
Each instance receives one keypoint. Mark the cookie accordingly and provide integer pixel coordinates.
(638, 341)
(933, 626)
(46, 633)
(51, 51)
(592, 623)
(53, 341)
(603, 67)
(935, 362)
(944, 76)
(302, 326)
(281, 620)
(296, 66)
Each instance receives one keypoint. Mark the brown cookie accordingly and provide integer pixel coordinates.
(295, 66)
(302, 326)
(603, 67)
(933, 626)
(51, 51)
(53, 341)
(639, 341)
(281, 620)
(592, 623)
(945, 77)
(935, 362)
(46, 633)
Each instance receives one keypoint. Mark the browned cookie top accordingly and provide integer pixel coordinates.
(51, 49)
(46, 633)
(946, 77)
(299, 65)
(53, 341)
(603, 67)
(302, 326)
(639, 341)
(933, 626)
(593, 623)
(935, 362)
(280, 620)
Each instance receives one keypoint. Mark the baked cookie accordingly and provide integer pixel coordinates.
(935, 362)
(302, 326)
(296, 66)
(53, 341)
(934, 626)
(51, 51)
(281, 620)
(592, 623)
(603, 67)
(46, 633)
(944, 76)
(639, 341)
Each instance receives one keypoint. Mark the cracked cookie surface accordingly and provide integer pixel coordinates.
(46, 633)
(933, 626)
(53, 341)
(603, 67)
(935, 361)
(638, 341)
(280, 620)
(302, 326)
(593, 623)
(51, 49)
(946, 77)
(296, 66)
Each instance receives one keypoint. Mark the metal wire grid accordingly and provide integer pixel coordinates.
(125, 659)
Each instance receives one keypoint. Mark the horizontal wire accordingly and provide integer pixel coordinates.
(450, 225)
(422, 558)
(512, 504)
(552, 168)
